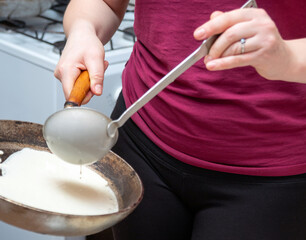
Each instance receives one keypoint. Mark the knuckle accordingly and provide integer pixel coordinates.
(230, 35)
(62, 67)
(270, 41)
(261, 12)
(57, 74)
(96, 77)
(58, 71)
(269, 25)
(236, 49)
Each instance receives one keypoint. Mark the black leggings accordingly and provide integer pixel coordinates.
(185, 202)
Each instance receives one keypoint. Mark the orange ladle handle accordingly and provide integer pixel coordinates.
(79, 91)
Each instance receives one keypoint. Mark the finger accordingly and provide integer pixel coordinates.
(57, 73)
(222, 22)
(215, 14)
(68, 78)
(87, 98)
(250, 45)
(90, 94)
(231, 36)
(230, 62)
(96, 74)
(106, 64)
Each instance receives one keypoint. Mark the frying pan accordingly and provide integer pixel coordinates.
(124, 181)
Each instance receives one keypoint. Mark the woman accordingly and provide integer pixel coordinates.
(221, 154)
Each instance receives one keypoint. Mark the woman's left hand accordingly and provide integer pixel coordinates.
(264, 48)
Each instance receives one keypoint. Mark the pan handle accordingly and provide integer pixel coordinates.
(79, 91)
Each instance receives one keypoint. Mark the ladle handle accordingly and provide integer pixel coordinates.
(161, 84)
(79, 90)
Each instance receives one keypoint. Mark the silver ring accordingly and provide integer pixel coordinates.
(242, 41)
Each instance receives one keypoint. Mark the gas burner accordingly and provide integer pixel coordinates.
(12, 23)
(60, 7)
(129, 34)
(48, 28)
(64, 2)
(59, 46)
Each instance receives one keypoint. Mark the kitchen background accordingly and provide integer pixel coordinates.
(30, 47)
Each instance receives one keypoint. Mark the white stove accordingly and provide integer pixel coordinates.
(30, 92)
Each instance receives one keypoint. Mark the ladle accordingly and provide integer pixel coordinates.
(83, 136)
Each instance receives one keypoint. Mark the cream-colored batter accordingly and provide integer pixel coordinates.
(41, 180)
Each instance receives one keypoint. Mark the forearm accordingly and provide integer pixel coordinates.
(95, 16)
(296, 71)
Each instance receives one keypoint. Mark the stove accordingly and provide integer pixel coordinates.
(48, 28)
(29, 51)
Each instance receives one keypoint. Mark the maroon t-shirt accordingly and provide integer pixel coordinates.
(231, 121)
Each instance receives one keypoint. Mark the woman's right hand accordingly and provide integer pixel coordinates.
(83, 50)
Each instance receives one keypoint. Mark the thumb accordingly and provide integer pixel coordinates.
(96, 75)
(200, 32)
(215, 14)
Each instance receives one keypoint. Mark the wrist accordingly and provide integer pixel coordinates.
(81, 26)
(295, 71)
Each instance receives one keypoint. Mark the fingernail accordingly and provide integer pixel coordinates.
(200, 33)
(98, 89)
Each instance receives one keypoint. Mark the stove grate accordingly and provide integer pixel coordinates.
(47, 26)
